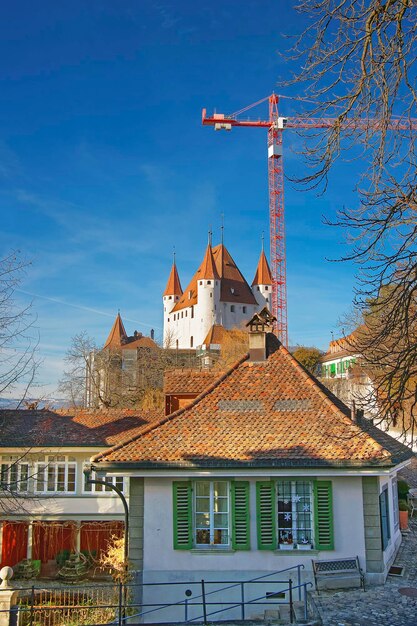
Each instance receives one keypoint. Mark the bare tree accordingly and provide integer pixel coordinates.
(18, 337)
(358, 63)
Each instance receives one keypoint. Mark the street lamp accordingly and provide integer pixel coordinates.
(90, 481)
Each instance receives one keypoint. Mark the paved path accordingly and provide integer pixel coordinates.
(382, 605)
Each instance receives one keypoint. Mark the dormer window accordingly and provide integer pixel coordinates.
(232, 291)
(190, 293)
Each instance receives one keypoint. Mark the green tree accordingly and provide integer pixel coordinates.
(308, 357)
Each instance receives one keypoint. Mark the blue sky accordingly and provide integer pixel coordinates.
(105, 166)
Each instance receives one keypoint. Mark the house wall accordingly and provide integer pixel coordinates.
(186, 568)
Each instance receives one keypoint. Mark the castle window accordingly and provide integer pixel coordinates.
(182, 314)
(209, 282)
(267, 299)
(186, 313)
(191, 341)
(266, 287)
(243, 309)
(257, 288)
(192, 312)
(201, 282)
(176, 344)
(168, 319)
(211, 294)
(232, 308)
(169, 297)
(190, 293)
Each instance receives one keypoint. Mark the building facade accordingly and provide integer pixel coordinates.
(218, 294)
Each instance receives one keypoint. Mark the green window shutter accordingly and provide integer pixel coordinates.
(240, 515)
(183, 531)
(265, 515)
(323, 515)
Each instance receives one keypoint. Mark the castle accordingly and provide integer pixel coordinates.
(217, 294)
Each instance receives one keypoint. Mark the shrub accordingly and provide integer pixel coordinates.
(403, 506)
(403, 489)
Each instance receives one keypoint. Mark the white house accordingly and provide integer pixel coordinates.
(217, 294)
(262, 471)
(46, 505)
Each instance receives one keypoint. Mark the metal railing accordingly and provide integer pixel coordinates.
(117, 604)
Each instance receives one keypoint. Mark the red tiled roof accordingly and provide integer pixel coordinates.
(215, 335)
(268, 414)
(233, 286)
(189, 381)
(117, 334)
(74, 428)
(138, 341)
(263, 274)
(208, 267)
(173, 287)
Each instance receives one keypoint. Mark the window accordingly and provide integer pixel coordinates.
(232, 308)
(56, 474)
(206, 511)
(294, 513)
(266, 287)
(384, 518)
(192, 312)
(191, 341)
(209, 282)
(395, 510)
(211, 294)
(186, 313)
(211, 506)
(117, 481)
(288, 511)
(182, 314)
(243, 309)
(14, 475)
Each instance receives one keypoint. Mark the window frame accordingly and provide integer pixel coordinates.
(50, 467)
(100, 490)
(8, 466)
(212, 512)
(292, 535)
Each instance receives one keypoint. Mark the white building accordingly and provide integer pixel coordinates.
(262, 472)
(217, 294)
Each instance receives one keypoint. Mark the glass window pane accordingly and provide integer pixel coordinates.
(221, 505)
(24, 475)
(60, 478)
(221, 537)
(202, 536)
(71, 478)
(119, 482)
(202, 488)
(40, 477)
(221, 520)
(202, 520)
(202, 504)
(220, 488)
(51, 478)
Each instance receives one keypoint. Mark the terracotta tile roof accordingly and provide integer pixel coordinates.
(117, 334)
(173, 287)
(189, 381)
(138, 341)
(215, 335)
(233, 286)
(263, 274)
(208, 267)
(268, 414)
(65, 427)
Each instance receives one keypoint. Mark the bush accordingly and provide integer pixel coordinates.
(403, 506)
(62, 557)
(403, 489)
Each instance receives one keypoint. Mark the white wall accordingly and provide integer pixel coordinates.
(163, 563)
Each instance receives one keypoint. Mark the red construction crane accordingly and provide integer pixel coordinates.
(276, 125)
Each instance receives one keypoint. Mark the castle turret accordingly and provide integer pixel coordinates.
(262, 283)
(208, 289)
(117, 335)
(171, 295)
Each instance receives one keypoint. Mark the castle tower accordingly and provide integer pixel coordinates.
(208, 295)
(262, 283)
(171, 295)
(117, 335)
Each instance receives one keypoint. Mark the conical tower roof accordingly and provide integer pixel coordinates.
(173, 287)
(263, 274)
(208, 268)
(117, 334)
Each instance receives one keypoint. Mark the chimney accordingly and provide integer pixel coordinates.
(259, 326)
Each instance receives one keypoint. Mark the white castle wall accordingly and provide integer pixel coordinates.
(189, 327)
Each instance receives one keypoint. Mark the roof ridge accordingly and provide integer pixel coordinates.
(208, 266)
(263, 274)
(172, 416)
